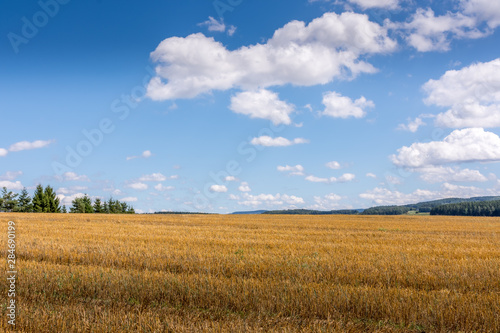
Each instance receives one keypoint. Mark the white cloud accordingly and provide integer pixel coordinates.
(161, 188)
(117, 192)
(297, 170)
(11, 175)
(129, 199)
(279, 141)
(371, 175)
(329, 47)
(484, 10)
(154, 177)
(383, 196)
(73, 176)
(366, 4)
(472, 95)
(145, 154)
(214, 25)
(137, 186)
(333, 165)
(3, 152)
(393, 179)
(339, 106)
(218, 188)
(231, 30)
(71, 190)
(315, 179)
(427, 32)
(244, 187)
(263, 104)
(346, 177)
(327, 202)
(270, 200)
(230, 179)
(26, 145)
(466, 145)
(234, 197)
(11, 185)
(68, 199)
(439, 174)
(412, 125)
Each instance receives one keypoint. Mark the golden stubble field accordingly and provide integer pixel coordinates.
(254, 273)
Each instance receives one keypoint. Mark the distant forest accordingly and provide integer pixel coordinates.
(484, 208)
(477, 206)
(45, 200)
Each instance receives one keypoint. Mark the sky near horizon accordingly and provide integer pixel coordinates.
(231, 105)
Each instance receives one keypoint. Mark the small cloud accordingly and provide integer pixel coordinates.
(26, 145)
(231, 30)
(230, 179)
(338, 106)
(346, 177)
(315, 179)
(154, 177)
(214, 25)
(3, 152)
(11, 175)
(297, 170)
(218, 188)
(333, 165)
(11, 185)
(371, 175)
(145, 154)
(162, 188)
(413, 125)
(244, 187)
(72, 176)
(393, 180)
(137, 186)
(268, 141)
(129, 199)
(117, 192)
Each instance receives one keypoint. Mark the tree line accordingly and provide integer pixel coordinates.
(45, 200)
(482, 208)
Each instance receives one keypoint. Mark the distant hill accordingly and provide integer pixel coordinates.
(313, 212)
(428, 205)
(420, 207)
(250, 212)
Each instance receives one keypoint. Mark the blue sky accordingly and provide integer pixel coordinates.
(229, 105)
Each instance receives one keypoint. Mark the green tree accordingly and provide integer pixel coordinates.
(64, 210)
(98, 208)
(82, 205)
(9, 201)
(25, 204)
(38, 199)
(52, 201)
